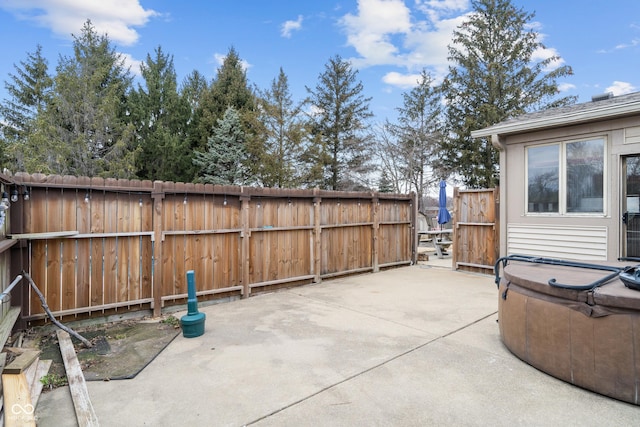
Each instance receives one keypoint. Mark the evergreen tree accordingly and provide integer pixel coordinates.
(339, 126)
(87, 119)
(314, 158)
(30, 93)
(493, 77)
(225, 158)
(418, 134)
(384, 183)
(283, 135)
(229, 89)
(193, 88)
(161, 117)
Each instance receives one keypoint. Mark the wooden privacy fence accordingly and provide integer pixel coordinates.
(6, 278)
(476, 239)
(99, 245)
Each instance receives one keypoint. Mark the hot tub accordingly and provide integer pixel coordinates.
(586, 337)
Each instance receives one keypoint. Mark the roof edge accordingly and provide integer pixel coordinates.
(602, 113)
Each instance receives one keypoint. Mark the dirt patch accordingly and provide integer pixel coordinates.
(120, 350)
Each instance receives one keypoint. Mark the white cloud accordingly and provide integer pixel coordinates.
(290, 26)
(542, 54)
(429, 45)
(621, 88)
(132, 63)
(434, 9)
(404, 81)
(566, 87)
(386, 32)
(632, 43)
(371, 30)
(116, 18)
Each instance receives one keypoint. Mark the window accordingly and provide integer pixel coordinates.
(566, 178)
(543, 178)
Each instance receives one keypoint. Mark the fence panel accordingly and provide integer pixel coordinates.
(90, 250)
(279, 248)
(5, 259)
(395, 232)
(346, 236)
(99, 245)
(201, 232)
(476, 230)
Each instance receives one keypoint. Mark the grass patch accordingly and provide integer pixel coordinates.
(53, 380)
(171, 321)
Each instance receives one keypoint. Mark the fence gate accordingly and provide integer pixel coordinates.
(476, 229)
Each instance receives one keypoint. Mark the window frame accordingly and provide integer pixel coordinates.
(562, 178)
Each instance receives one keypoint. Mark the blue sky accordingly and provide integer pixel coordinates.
(388, 41)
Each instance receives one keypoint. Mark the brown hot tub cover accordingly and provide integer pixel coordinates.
(590, 338)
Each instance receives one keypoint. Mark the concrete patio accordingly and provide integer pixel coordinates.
(412, 346)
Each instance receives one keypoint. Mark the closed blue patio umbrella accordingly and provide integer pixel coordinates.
(443, 214)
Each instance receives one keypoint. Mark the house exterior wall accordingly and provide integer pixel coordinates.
(571, 235)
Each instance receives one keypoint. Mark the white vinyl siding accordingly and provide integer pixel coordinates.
(632, 135)
(552, 241)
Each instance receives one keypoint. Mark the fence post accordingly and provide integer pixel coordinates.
(375, 231)
(158, 242)
(317, 238)
(244, 251)
(414, 227)
(457, 241)
(498, 228)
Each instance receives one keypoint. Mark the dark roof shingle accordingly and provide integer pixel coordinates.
(606, 109)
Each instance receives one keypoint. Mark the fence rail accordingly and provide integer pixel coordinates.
(97, 245)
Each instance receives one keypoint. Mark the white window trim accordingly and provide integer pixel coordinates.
(562, 180)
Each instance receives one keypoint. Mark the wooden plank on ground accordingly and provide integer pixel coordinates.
(3, 360)
(8, 321)
(85, 413)
(18, 401)
(30, 373)
(36, 386)
(21, 363)
(19, 409)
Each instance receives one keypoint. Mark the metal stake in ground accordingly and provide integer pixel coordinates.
(193, 321)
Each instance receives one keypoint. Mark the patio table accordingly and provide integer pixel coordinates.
(441, 239)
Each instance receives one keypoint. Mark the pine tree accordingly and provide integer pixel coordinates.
(192, 90)
(493, 77)
(230, 88)
(339, 126)
(224, 160)
(283, 135)
(161, 117)
(384, 183)
(30, 93)
(87, 118)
